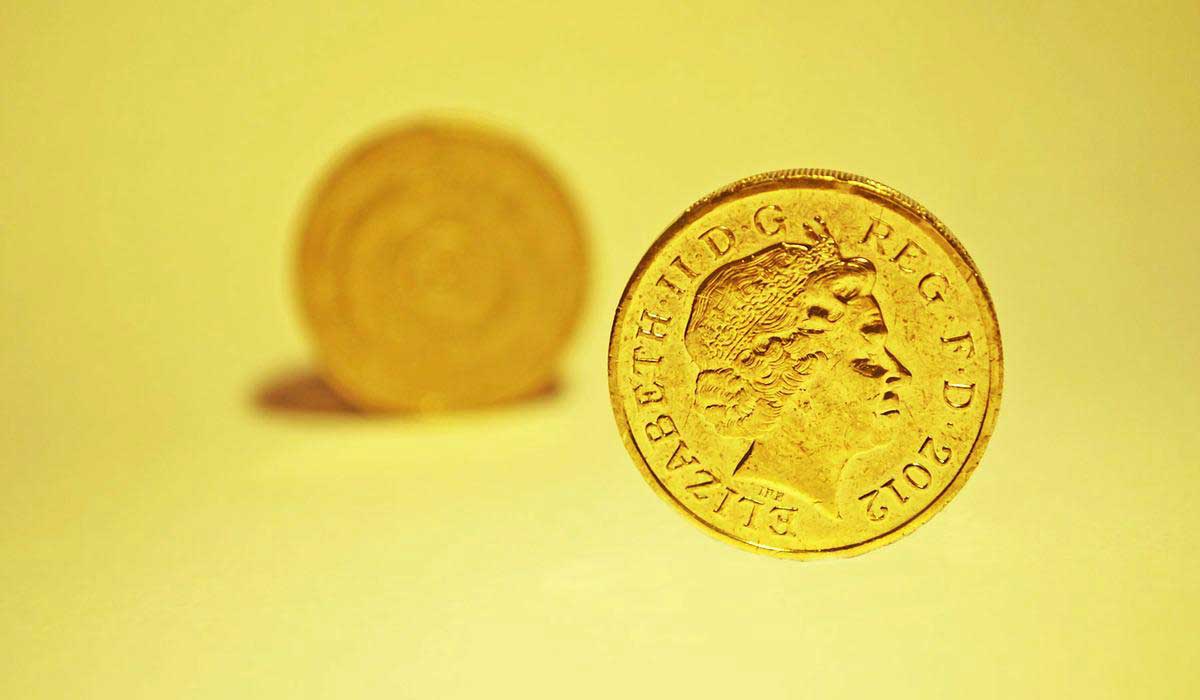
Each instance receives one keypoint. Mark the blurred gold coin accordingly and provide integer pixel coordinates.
(807, 364)
(441, 266)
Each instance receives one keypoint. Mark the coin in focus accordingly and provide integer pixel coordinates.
(807, 364)
(441, 266)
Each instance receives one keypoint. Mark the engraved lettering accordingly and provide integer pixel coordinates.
(871, 497)
(660, 428)
(678, 264)
(909, 253)
(923, 478)
(959, 342)
(639, 356)
(881, 231)
(681, 457)
(649, 325)
(664, 282)
(753, 509)
(940, 454)
(769, 220)
(646, 394)
(781, 316)
(932, 285)
(914, 473)
(767, 492)
(712, 479)
(783, 516)
(724, 497)
(719, 239)
(891, 484)
(958, 395)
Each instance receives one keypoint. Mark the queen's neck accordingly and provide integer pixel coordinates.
(787, 467)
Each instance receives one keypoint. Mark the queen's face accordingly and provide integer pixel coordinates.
(855, 397)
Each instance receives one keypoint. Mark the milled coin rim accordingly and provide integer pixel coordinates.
(822, 179)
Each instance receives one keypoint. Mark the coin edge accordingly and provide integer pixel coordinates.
(991, 322)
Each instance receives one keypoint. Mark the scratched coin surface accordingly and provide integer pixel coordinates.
(807, 364)
(441, 265)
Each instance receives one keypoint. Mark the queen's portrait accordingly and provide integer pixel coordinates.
(792, 353)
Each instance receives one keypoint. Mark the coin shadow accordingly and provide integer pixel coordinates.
(303, 392)
(300, 392)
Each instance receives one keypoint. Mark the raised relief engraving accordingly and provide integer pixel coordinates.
(640, 358)
(681, 457)
(931, 286)
(754, 504)
(768, 492)
(724, 499)
(757, 364)
(881, 231)
(769, 220)
(742, 510)
(958, 395)
(915, 475)
(941, 454)
(791, 349)
(681, 266)
(664, 281)
(688, 272)
(660, 428)
(906, 255)
(648, 393)
(707, 478)
(653, 325)
(909, 254)
(960, 343)
(719, 239)
(782, 517)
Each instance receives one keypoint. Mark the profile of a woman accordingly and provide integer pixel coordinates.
(792, 352)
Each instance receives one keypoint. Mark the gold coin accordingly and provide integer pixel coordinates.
(441, 265)
(806, 364)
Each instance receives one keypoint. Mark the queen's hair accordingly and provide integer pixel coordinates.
(753, 329)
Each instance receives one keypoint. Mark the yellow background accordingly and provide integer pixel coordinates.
(163, 536)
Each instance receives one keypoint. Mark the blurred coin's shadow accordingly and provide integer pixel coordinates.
(303, 392)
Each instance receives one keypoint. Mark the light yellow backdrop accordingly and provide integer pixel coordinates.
(163, 536)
